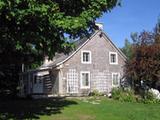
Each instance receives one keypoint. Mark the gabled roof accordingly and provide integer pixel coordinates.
(60, 58)
(111, 43)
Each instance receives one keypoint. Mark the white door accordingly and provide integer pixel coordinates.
(37, 84)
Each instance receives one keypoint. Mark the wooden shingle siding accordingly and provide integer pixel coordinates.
(66, 71)
(100, 69)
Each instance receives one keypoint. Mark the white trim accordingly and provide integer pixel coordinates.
(116, 63)
(114, 46)
(98, 31)
(85, 87)
(38, 69)
(42, 73)
(105, 37)
(118, 79)
(78, 48)
(90, 57)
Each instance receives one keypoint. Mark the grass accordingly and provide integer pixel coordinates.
(78, 109)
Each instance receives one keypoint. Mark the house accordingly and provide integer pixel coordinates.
(96, 64)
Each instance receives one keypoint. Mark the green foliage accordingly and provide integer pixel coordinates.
(33, 29)
(42, 24)
(127, 49)
(148, 95)
(76, 109)
(9, 80)
(95, 93)
(35, 65)
(148, 98)
(123, 95)
(129, 96)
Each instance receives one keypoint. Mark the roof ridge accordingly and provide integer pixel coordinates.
(65, 57)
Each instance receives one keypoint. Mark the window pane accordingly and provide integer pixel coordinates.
(113, 58)
(35, 79)
(86, 57)
(85, 79)
(115, 79)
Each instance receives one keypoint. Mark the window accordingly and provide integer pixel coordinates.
(35, 79)
(40, 79)
(113, 59)
(86, 57)
(85, 79)
(115, 79)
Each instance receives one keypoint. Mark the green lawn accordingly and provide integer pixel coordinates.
(78, 109)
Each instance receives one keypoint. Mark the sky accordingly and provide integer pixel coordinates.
(132, 16)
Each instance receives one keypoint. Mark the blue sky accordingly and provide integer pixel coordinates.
(132, 16)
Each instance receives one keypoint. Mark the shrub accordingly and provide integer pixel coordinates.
(123, 95)
(149, 97)
(129, 96)
(116, 93)
(95, 93)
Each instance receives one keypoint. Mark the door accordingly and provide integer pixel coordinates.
(37, 84)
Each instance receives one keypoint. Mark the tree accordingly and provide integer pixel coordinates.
(145, 64)
(29, 26)
(127, 49)
(33, 29)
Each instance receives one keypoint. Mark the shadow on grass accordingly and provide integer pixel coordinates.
(32, 109)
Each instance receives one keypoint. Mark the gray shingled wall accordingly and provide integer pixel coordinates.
(100, 69)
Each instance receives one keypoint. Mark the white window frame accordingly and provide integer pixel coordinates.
(118, 79)
(85, 87)
(38, 81)
(115, 63)
(90, 57)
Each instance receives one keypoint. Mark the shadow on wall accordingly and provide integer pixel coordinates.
(32, 109)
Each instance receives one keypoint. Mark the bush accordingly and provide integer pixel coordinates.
(95, 93)
(149, 97)
(129, 96)
(123, 95)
